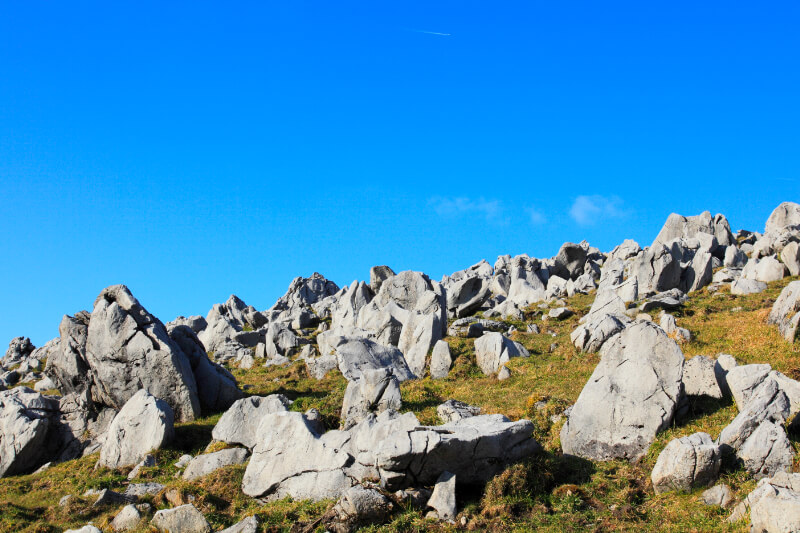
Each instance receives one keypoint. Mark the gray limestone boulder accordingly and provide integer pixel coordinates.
(204, 464)
(377, 275)
(67, 366)
(466, 296)
(376, 391)
(144, 423)
(239, 424)
(719, 495)
(196, 323)
(356, 354)
(453, 411)
(632, 395)
(680, 227)
(128, 349)
(127, 519)
(302, 294)
(700, 378)
(766, 451)
(742, 286)
(686, 463)
(359, 506)
(183, 519)
(744, 380)
(785, 312)
(786, 214)
(26, 418)
(441, 360)
(85, 529)
(790, 256)
(248, 525)
(493, 350)
(569, 262)
(443, 499)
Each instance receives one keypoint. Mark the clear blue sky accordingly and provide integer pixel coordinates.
(201, 149)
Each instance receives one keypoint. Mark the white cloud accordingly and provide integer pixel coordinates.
(588, 210)
(492, 210)
(535, 216)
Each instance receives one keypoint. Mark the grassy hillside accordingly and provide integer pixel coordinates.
(547, 493)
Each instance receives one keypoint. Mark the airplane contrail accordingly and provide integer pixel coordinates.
(432, 32)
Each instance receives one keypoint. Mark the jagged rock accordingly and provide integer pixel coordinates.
(766, 451)
(680, 227)
(526, 281)
(143, 424)
(202, 465)
(655, 269)
(632, 394)
(355, 354)
(747, 286)
(766, 269)
(719, 495)
(185, 518)
(744, 380)
(358, 506)
(556, 287)
(379, 274)
(318, 367)
(128, 349)
(605, 319)
(344, 313)
(302, 294)
(441, 360)
(233, 352)
(453, 411)
(376, 391)
(25, 418)
(216, 387)
(67, 366)
(786, 311)
(248, 525)
(734, 257)
(127, 519)
(148, 461)
(560, 313)
(504, 373)
(466, 296)
(18, 349)
(700, 378)
(226, 322)
(45, 384)
(280, 341)
(492, 350)
(239, 424)
(137, 490)
(570, 261)
(778, 511)
(671, 299)
(724, 364)
(443, 499)
(420, 333)
(473, 327)
(687, 462)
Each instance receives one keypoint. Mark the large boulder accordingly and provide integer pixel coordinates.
(700, 378)
(227, 321)
(790, 256)
(25, 420)
(128, 349)
(356, 354)
(785, 312)
(774, 505)
(376, 391)
(301, 295)
(19, 349)
(466, 296)
(359, 506)
(377, 275)
(184, 519)
(204, 464)
(687, 462)
(680, 227)
(67, 366)
(239, 424)
(493, 350)
(786, 214)
(144, 423)
(569, 262)
(632, 394)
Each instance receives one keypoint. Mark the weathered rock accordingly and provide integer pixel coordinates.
(377, 275)
(137, 490)
(196, 323)
(376, 391)
(524, 280)
(248, 525)
(786, 311)
(687, 462)
(700, 378)
(359, 506)
(719, 495)
(560, 313)
(598, 328)
(443, 499)
(143, 424)
(492, 350)
(184, 519)
(671, 299)
(747, 286)
(670, 326)
(318, 367)
(110, 497)
(474, 327)
(148, 461)
(632, 394)
(766, 269)
(786, 214)
(25, 419)
(128, 349)
(766, 451)
(202, 465)
(302, 294)
(239, 424)
(67, 366)
(453, 411)
(744, 380)
(790, 256)
(355, 354)
(441, 360)
(466, 296)
(680, 227)
(569, 262)
(127, 519)
(216, 387)
(420, 333)
(504, 373)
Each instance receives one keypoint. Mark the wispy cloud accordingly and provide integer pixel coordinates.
(588, 210)
(429, 32)
(535, 216)
(492, 210)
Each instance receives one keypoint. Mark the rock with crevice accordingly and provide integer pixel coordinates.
(26, 421)
(376, 391)
(239, 424)
(184, 519)
(700, 378)
(453, 411)
(493, 350)
(443, 499)
(785, 311)
(204, 464)
(686, 463)
(632, 394)
(359, 506)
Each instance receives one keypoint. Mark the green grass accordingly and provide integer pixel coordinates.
(546, 493)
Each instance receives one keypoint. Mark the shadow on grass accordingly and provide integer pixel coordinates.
(697, 407)
(192, 437)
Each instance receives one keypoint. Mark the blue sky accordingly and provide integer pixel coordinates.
(194, 150)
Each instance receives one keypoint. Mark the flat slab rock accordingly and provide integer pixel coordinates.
(632, 394)
(202, 465)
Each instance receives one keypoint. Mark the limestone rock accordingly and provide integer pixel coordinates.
(700, 378)
(379, 274)
(204, 464)
(632, 394)
(376, 391)
(185, 519)
(744, 380)
(687, 462)
(453, 411)
(143, 424)
(441, 360)
(25, 419)
(492, 350)
(239, 424)
(719, 495)
(786, 311)
(248, 525)
(786, 214)
(443, 499)
(747, 286)
(355, 354)
(790, 256)
(127, 519)
(359, 506)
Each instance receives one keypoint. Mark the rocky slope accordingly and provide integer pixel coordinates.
(588, 388)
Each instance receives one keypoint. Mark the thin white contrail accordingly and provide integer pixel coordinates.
(431, 32)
